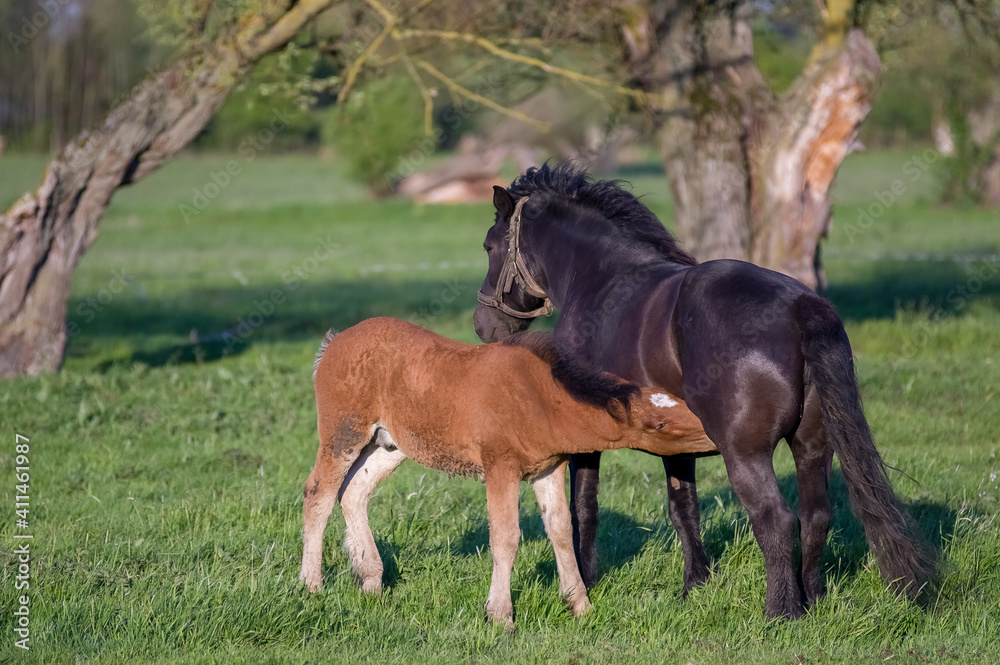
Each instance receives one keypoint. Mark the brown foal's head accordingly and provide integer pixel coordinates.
(657, 410)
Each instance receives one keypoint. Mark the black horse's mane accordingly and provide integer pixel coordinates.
(634, 220)
(584, 382)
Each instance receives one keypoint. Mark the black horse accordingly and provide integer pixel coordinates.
(757, 356)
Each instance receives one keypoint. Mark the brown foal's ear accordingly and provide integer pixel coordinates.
(503, 201)
(618, 411)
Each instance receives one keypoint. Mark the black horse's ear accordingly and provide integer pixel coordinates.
(502, 201)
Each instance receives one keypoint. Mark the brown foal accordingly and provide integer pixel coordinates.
(387, 390)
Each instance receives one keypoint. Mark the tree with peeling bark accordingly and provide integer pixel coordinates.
(45, 233)
(750, 171)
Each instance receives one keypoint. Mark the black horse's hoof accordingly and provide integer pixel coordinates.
(786, 612)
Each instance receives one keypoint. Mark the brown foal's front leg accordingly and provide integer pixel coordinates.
(501, 503)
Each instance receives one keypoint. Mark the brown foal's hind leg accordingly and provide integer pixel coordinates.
(340, 445)
(374, 465)
(550, 489)
(501, 503)
(317, 504)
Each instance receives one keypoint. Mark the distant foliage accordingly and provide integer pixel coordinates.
(275, 104)
(781, 54)
(377, 129)
(902, 113)
(63, 64)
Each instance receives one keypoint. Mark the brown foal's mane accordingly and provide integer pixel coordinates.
(584, 382)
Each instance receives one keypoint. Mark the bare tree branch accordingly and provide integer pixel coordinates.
(492, 47)
(458, 90)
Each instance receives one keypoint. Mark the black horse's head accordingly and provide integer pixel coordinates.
(510, 299)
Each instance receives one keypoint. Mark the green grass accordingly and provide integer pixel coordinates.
(167, 464)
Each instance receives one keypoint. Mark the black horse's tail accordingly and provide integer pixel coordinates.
(903, 558)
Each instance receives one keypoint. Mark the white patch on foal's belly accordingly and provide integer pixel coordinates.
(662, 399)
(383, 439)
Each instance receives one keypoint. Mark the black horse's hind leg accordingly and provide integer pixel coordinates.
(813, 457)
(584, 472)
(753, 480)
(686, 518)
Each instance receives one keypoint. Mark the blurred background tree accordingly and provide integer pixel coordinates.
(942, 89)
(64, 64)
(44, 234)
(751, 107)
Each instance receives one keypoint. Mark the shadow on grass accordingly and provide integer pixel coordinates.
(620, 540)
(847, 547)
(937, 287)
(228, 320)
(221, 322)
(389, 552)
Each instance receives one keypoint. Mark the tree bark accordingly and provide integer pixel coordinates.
(750, 173)
(803, 144)
(711, 93)
(45, 233)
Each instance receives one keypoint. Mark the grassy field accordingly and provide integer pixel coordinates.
(167, 460)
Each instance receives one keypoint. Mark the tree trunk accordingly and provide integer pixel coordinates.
(990, 190)
(750, 173)
(804, 142)
(711, 94)
(44, 234)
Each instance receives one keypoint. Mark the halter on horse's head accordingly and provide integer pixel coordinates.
(515, 270)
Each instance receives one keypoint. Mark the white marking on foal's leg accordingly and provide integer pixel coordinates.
(662, 400)
(372, 467)
(551, 492)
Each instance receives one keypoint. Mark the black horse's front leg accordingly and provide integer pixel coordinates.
(584, 472)
(682, 494)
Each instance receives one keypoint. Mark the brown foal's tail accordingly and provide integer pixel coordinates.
(330, 334)
(342, 436)
(905, 561)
